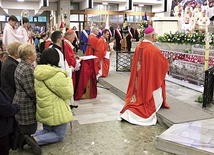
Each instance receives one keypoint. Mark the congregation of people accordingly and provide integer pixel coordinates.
(39, 83)
(192, 16)
(29, 84)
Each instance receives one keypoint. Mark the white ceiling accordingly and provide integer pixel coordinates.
(9, 6)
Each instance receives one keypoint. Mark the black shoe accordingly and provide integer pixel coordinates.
(73, 106)
(36, 149)
(22, 141)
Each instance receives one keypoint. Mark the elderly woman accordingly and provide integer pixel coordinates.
(25, 95)
(8, 70)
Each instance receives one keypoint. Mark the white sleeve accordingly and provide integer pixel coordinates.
(63, 64)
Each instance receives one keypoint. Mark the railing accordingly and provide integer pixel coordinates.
(208, 87)
(124, 61)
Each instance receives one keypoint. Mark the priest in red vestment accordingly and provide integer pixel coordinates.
(92, 41)
(146, 92)
(102, 63)
(71, 58)
(87, 71)
(69, 53)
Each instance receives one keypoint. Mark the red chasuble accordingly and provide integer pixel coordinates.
(92, 41)
(85, 74)
(102, 46)
(69, 53)
(149, 68)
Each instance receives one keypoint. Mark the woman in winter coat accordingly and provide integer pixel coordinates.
(53, 89)
(25, 96)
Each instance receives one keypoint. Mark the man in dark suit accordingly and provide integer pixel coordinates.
(111, 28)
(129, 38)
(136, 34)
(118, 37)
(8, 70)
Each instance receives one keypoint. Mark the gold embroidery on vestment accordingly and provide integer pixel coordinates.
(133, 98)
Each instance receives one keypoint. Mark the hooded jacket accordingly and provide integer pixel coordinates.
(53, 89)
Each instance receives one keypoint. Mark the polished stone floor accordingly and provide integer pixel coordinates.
(96, 131)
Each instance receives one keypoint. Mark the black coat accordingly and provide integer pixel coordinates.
(7, 76)
(118, 39)
(7, 113)
(128, 39)
(136, 35)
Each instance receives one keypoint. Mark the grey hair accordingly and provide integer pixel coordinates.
(94, 28)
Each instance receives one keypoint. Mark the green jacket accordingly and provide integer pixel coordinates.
(53, 89)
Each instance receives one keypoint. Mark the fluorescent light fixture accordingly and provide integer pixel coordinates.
(140, 4)
(105, 3)
(20, 0)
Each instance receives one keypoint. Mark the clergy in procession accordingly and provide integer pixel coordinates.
(118, 37)
(92, 41)
(146, 92)
(9, 34)
(102, 63)
(23, 29)
(70, 56)
(69, 52)
(86, 77)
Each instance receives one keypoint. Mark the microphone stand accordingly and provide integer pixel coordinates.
(94, 50)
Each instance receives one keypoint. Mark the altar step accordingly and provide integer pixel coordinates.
(193, 138)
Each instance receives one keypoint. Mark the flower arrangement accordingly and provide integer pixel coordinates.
(185, 38)
(143, 25)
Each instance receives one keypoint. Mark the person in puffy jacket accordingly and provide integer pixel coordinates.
(53, 89)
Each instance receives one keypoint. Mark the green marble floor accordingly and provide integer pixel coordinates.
(105, 138)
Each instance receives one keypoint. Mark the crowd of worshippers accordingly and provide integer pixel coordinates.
(193, 16)
(28, 84)
(31, 87)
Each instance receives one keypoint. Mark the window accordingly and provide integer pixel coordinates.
(42, 19)
(35, 19)
(2, 18)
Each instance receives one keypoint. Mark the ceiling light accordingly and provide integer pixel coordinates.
(20, 0)
(140, 4)
(105, 3)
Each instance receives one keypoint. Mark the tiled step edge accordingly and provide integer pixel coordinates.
(178, 149)
(163, 121)
(113, 89)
